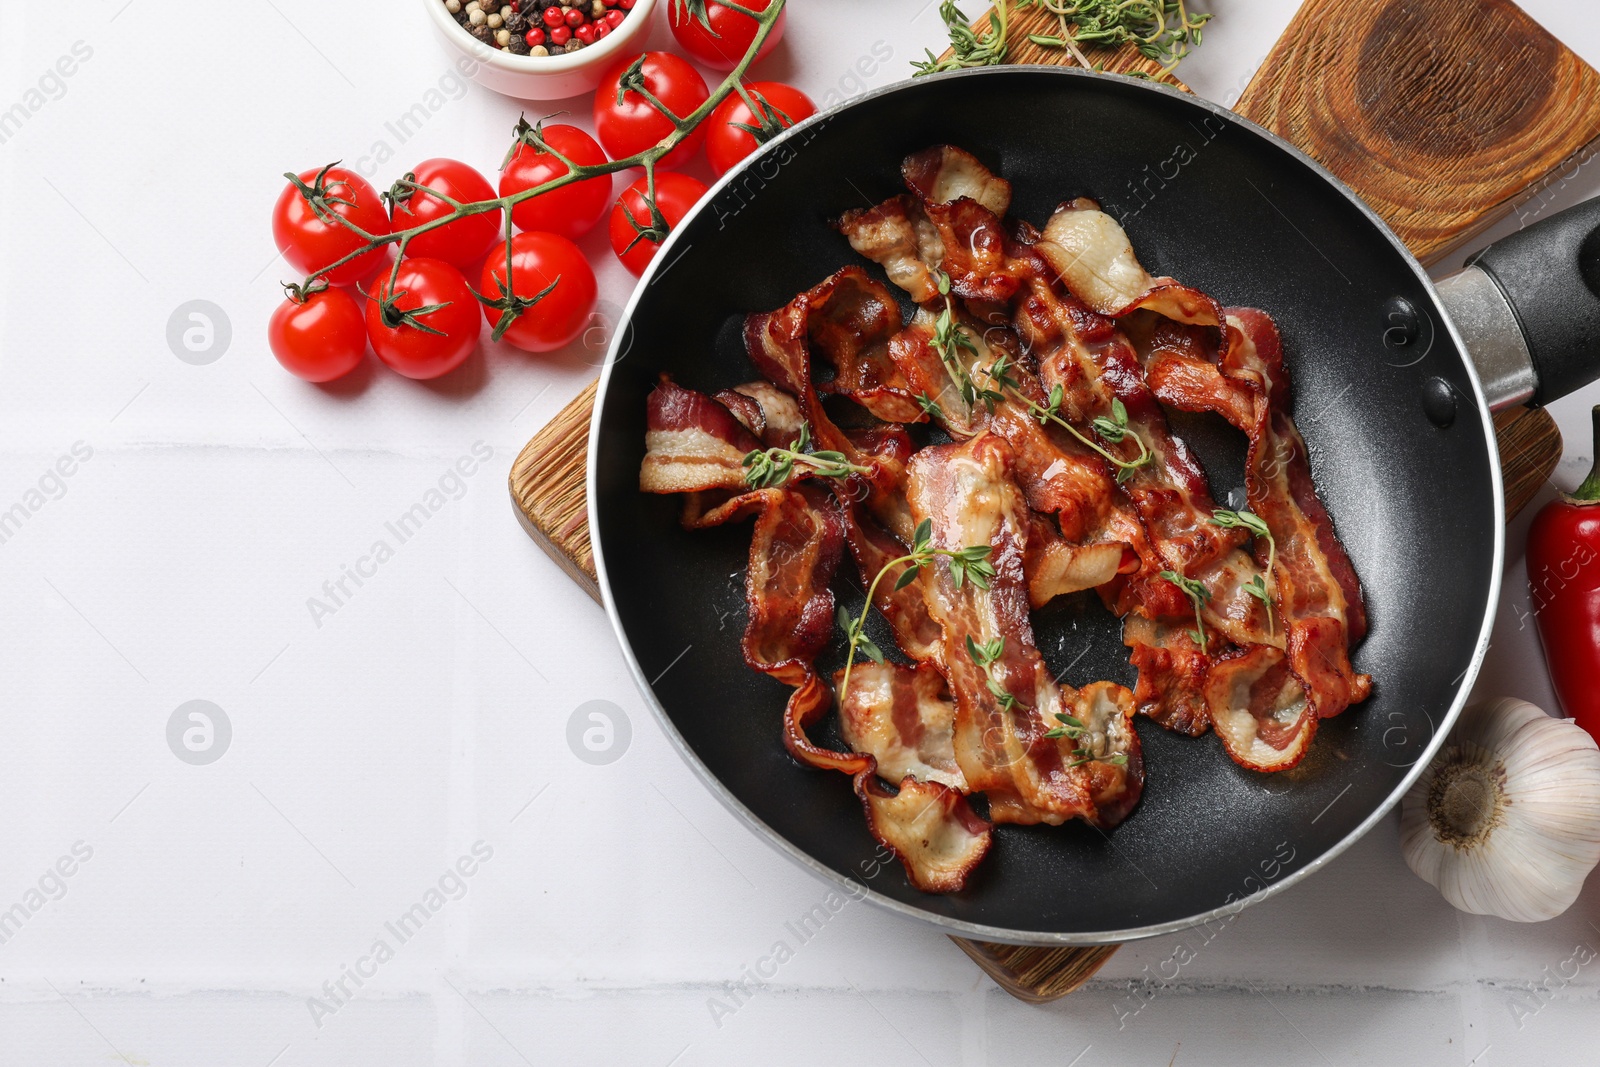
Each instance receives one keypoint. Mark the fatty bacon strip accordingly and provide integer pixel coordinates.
(1006, 700)
(1076, 299)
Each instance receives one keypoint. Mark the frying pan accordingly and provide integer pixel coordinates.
(1396, 418)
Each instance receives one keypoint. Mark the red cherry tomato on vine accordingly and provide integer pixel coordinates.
(462, 242)
(310, 242)
(781, 107)
(634, 125)
(423, 343)
(728, 38)
(572, 210)
(320, 338)
(675, 195)
(538, 261)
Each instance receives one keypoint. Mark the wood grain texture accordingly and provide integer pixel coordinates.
(1443, 115)
(1037, 975)
(548, 486)
(548, 477)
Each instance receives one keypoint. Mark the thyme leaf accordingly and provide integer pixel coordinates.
(1245, 520)
(770, 468)
(1199, 596)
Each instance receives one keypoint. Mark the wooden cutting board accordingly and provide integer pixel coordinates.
(1442, 114)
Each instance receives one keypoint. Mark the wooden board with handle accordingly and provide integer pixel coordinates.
(1337, 85)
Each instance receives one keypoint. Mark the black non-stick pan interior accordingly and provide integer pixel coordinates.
(1221, 207)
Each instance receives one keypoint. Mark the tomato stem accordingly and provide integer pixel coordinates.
(316, 194)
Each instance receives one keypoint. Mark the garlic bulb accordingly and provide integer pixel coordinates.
(1506, 820)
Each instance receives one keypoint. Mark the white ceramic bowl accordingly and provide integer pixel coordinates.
(540, 77)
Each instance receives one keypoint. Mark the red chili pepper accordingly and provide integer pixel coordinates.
(1564, 579)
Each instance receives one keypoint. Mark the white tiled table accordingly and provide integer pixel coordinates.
(429, 711)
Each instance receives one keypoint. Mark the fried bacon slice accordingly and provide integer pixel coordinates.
(795, 550)
(929, 827)
(851, 329)
(765, 410)
(898, 237)
(1056, 566)
(1171, 688)
(875, 550)
(692, 442)
(1260, 710)
(1317, 593)
(779, 345)
(1095, 259)
(944, 173)
(904, 718)
(1005, 707)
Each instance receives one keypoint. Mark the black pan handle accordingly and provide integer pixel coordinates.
(1549, 274)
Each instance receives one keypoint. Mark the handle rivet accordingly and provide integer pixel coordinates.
(1402, 325)
(1439, 402)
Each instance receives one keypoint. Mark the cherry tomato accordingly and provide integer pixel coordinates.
(319, 338)
(309, 243)
(572, 210)
(537, 261)
(781, 107)
(634, 125)
(462, 242)
(452, 329)
(728, 39)
(675, 195)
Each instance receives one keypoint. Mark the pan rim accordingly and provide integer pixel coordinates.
(858, 890)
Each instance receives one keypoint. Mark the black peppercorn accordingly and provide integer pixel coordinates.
(483, 33)
(518, 45)
(557, 50)
(517, 23)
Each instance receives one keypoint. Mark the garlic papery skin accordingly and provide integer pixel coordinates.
(1506, 820)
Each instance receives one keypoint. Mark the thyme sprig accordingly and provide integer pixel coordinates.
(1199, 596)
(950, 340)
(1073, 729)
(1245, 520)
(321, 197)
(1112, 428)
(968, 48)
(970, 564)
(771, 467)
(1161, 30)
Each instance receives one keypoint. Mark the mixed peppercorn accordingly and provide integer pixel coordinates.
(539, 27)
